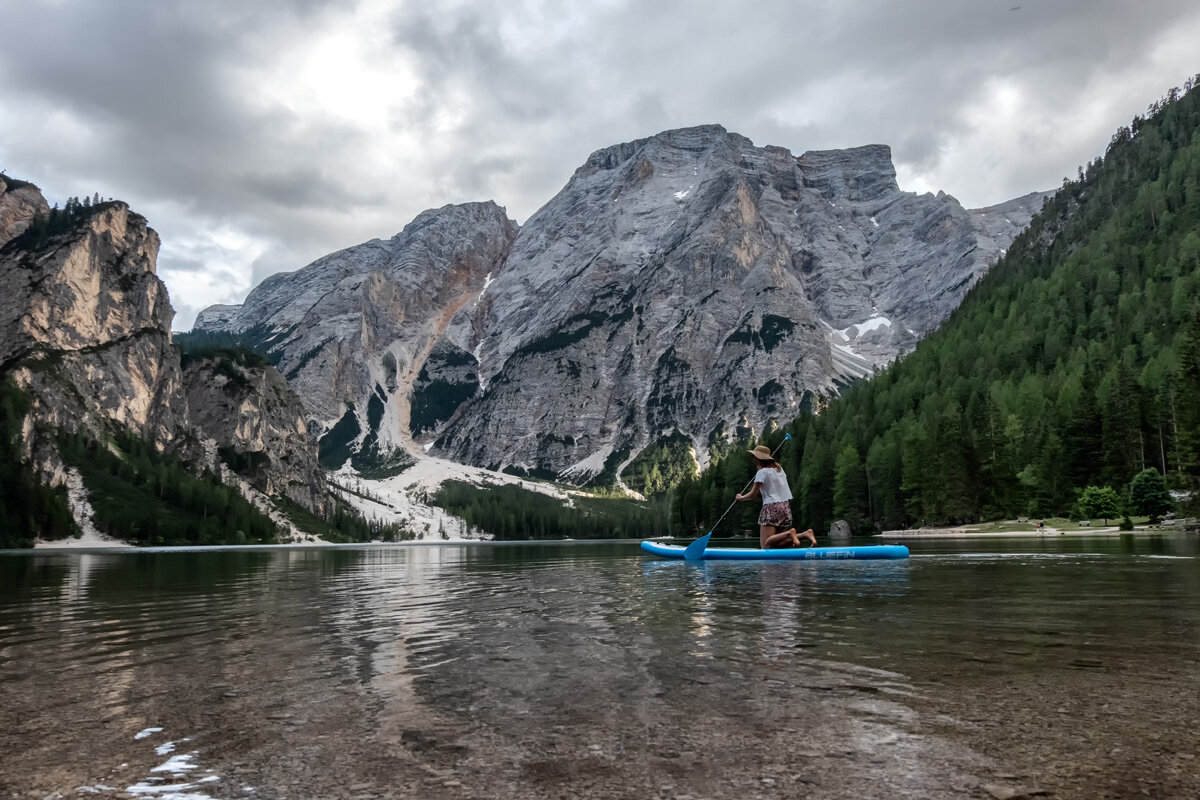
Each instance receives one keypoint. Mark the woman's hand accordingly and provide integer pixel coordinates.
(738, 497)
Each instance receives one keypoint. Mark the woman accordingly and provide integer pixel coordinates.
(775, 520)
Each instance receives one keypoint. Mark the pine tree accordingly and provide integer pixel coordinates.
(1187, 406)
(850, 488)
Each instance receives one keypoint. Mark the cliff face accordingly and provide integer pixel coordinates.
(259, 424)
(353, 331)
(85, 334)
(687, 283)
(87, 322)
(692, 282)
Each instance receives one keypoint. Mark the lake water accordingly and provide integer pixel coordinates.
(974, 669)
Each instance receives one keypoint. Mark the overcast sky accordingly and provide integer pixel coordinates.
(258, 135)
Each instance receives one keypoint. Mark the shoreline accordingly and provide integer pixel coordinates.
(1049, 533)
(77, 547)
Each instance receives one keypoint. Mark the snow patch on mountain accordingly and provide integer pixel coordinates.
(874, 323)
(855, 348)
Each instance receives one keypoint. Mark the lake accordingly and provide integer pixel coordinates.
(982, 668)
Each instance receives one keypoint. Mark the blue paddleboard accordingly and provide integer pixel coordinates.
(784, 553)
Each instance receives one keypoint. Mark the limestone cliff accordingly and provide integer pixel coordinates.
(354, 331)
(86, 328)
(692, 282)
(85, 335)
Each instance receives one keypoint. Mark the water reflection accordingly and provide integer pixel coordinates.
(518, 670)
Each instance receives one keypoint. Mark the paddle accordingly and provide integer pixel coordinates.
(695, 550)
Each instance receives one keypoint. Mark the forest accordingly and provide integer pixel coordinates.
(150, 498)
(1074, 363)
(511, 512)
(28, 508)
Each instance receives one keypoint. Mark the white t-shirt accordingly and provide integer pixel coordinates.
(774, 487)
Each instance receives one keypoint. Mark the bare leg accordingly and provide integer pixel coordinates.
(783, 539)
(765, 532)
(793, 539)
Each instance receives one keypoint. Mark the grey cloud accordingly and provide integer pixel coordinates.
(189, 264)
(300, 187)
(160, 103)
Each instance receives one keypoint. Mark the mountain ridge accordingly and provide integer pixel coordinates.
(678, 234)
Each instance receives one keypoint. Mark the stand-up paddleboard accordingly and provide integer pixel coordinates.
(783, 553)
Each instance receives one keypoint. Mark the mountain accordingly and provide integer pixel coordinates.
(258, 424)
(82, 309)
(102, 428)
(1074, 363)
(693, 283)
(683, 285)
(355, 331)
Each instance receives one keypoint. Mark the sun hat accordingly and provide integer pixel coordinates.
(762, 453)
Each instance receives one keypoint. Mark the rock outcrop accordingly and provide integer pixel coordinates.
(840, 529)
(258, 423)
(20, 203)
(692, 282)
(86, 324)
(688, 283)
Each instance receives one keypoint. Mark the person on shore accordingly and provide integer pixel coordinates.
(775, 520)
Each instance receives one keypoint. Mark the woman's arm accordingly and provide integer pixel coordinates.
(750, 495)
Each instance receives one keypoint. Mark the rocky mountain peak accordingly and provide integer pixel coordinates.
(696, 139)
(690, 283)
(91, 285)
(684, 284)
(86, 326)
(258, 424)
(858, 174)
(20, 203)
(353, 331)
(85, 335)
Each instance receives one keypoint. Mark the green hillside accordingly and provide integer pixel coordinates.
(1074, 362)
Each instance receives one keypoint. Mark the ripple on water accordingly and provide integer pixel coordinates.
(517, 671)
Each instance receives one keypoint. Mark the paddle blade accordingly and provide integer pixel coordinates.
(695, 550)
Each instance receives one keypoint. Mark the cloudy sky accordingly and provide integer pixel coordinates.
(258, 135)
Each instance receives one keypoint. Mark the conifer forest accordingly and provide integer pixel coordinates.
(1074, 363)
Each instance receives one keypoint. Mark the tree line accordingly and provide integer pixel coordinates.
(59, 220)
(510, 512)
(1074, 363)
(150, 498)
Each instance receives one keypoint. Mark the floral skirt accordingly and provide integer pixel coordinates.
(778, 515)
